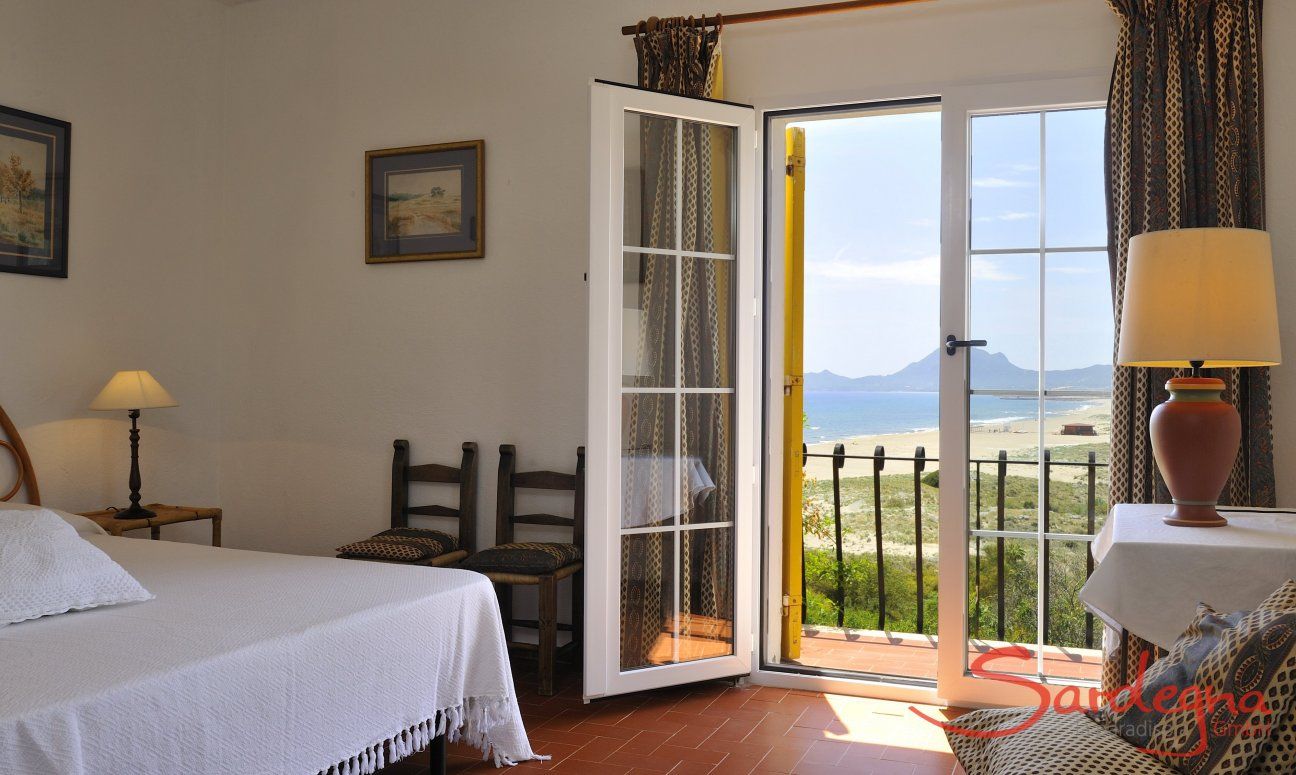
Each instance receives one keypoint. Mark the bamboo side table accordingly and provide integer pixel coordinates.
(166, 515)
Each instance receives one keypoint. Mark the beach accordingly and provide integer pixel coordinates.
(987, 438)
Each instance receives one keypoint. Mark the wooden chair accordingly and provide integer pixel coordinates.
(24, 471)
(412, 546)
(542, 565)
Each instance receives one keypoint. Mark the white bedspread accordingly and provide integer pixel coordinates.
(249, 662)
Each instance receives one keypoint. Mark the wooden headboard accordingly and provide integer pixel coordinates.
(12, 443)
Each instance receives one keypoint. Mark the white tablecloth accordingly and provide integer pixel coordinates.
(1150, 575)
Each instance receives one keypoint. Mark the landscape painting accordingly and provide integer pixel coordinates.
(22, 192)
(425, 202)
(33, 193)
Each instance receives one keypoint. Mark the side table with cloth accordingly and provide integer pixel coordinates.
(1150, 576)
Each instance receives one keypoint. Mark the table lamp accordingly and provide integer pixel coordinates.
(1199, 299)
(133, 391)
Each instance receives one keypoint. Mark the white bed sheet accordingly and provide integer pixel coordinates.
(251, 662)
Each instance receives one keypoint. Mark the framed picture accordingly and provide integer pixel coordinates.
(35, 152)
(425, 202)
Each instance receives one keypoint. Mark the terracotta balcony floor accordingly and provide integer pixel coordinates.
(914, 656)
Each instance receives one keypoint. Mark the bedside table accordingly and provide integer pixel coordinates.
(166, 515)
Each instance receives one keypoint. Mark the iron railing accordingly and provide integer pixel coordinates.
(918, 463)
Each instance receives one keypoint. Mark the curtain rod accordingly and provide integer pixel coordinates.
(777, 13)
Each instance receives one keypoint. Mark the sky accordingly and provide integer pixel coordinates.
(873, 240)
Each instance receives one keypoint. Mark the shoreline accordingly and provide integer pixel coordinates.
(987, 437)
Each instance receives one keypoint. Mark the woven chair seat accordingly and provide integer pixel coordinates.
(401, 544)
(524, 558)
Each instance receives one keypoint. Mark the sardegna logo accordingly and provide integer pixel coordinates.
(1200, 701)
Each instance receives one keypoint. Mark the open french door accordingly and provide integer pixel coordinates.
(673, 327)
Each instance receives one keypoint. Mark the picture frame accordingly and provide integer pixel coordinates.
(425, 202)
(35, 159)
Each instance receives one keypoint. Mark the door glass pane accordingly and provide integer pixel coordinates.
(1003, 604)
(1005, 185)
(707, 304)
(1005, 312)
(707, 449)
(1071, 636)
(650, 196)
(707, 172)
(648, 321)
(1073, 160)
(648, 460)
(678, 376)
(706, 593)
(1040, 475)
(647, 599)
(1079, 327)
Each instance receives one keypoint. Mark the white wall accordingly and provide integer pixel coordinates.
(337, 358)
(141, 83)
(303, 362)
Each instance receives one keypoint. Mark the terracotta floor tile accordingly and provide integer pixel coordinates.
(601, 730)
(691, 736)
(718, 729)
(737, 765)
(598, 749)
(645, 742)
(825, 752)
(642, 761)
(679, 753)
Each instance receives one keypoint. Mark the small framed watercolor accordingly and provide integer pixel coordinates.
(35, 153)
(425, 202)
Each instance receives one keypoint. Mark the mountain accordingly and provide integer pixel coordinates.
(991, 371)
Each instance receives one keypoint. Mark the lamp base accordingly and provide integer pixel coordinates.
(1195, 437)
(136, 511)
(1194, 515)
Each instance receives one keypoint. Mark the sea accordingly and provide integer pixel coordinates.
(834, 415)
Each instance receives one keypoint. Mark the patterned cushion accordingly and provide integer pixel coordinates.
(1238, 658)
(401, 544)
(1058, 744)
(524, 558)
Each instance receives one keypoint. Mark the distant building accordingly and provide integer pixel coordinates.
(1079, 429)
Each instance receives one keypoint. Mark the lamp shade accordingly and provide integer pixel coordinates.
(1199, 295)
(132, 390)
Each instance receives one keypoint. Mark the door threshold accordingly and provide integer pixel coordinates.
(877, 687)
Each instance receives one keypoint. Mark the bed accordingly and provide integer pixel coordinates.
(251, 662)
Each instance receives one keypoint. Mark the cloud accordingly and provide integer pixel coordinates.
(989, 270)
(1011, 216)
(1075, 269)
(994, 182)
(913, 271)
(923, 271)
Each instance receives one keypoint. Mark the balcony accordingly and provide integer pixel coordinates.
(869, 563)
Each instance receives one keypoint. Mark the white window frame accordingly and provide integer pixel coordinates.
(609, 103)
(958, 102)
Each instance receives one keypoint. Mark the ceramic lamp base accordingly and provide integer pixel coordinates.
(1194, 516)
(1195, 438)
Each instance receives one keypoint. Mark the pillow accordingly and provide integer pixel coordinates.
(83, 525)
(523, 558)
(401, 544)
(1058, 744)
(46, 569)
(1246, 661)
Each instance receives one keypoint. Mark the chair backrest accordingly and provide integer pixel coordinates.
(511, 480)
(404, 474)
(12, 443)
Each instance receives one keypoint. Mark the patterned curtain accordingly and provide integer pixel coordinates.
(1185, 148)
(679, 58)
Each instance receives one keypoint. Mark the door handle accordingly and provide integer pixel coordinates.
(952, 343)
